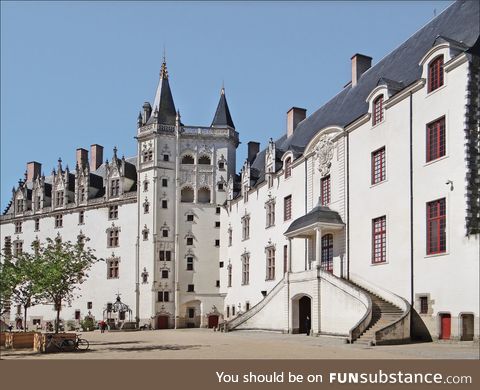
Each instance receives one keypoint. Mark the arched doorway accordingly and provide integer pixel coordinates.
(162, 322)
(212, 320)
(467, 327)
(301, 314)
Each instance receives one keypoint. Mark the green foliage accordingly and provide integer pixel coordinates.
(87, 324)
(71, 325)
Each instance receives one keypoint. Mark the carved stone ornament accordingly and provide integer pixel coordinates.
(324, 155)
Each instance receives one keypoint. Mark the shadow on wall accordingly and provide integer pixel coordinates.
(418, 330)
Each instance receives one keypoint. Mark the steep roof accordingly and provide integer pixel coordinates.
(222, 115)
(163, 102)
(398, 69)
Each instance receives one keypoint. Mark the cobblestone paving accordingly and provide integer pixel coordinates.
(206, 344)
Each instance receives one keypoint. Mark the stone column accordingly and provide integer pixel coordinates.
(318, 247)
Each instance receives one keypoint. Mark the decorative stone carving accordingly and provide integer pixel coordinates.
(324, 155)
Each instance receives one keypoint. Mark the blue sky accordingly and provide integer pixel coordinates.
(77, 73)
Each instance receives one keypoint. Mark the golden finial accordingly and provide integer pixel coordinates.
(163, 70)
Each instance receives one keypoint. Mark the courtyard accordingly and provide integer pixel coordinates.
(206, 344)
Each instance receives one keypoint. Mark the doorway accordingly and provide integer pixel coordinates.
(304, 315)
(467, 327)
(445, 326)
(162, 322)
(213, 321)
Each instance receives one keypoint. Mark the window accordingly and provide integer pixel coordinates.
(59, 198)
(82, 194)
(163, 296)
(112, 268)
(58, 221)
(164, 233)
(246, 227)
(145, 186)
(147, 155)
(270, 180)
(379, 240)
(187, 159)
(288, 168)
(77, 315)
(81, 217)
(270, 264)
(165, 255)
(270, 209)
(191, 312)
(17, 247)
(285, 258)
(189, 240)
(436, 139)
(325, 190)
(204, 160)
(145, 234)
(164, 182)
(164, 274)
(423, 305)
(377, 110)
(18, 227)
(436, 227)
(220, 264)
(435, 73)
(113, 239)
(19, 205)
(186, 195)
(89, 306)
(190, 263)
(220, 186)
(37, 224)
(115, 187)
(113, 212)
(164, 204)
(229, 275)
(217, 224)
(378, 166)
(221, 165)
(217, 210)
(166, 157)
(327, 253)
(245, 269)
(233, 310)
(203, 195)
(190, 288)
(247, 306)
(230, 237)
(146, 207)
(190, 218)
(287, 208)
(228, 311)
(217, 284)
(217, 242)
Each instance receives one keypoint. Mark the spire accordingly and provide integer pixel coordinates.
(163, 101)
(222, 115)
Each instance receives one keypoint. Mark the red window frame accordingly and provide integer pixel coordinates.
(288, 167)
(325, 190)
(378, 165)
(435, 73)
(327, 253)
(377, 110)
(436, 226)
(379, 240)
(436, 139)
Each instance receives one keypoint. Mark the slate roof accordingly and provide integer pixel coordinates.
(400, 68)
(317, 214)
(222, 114)
(163, 102)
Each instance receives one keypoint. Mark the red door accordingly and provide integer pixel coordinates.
(212, 321)
(162, 322)
(445, 326)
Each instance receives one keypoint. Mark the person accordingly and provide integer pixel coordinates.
(102, 326)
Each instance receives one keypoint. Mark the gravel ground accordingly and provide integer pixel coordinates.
(206, 344)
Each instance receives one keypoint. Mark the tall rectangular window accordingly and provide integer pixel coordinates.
(436, 139)
(113, 239)
(18, 227)
(245, 269)
(424, 305)
(190, 263)
(379, 240)
(285, 258)
(113, 212)
(81, 217)
(287, 208)
(436, 227)
(325, 190)
(378, 166)
(230, 237)
(165, 255)
(229, 276)
(246, 227)
(435, 73)
(270, 264)
(115, 187)
(58, 221)
(270, 213)
(112, 269)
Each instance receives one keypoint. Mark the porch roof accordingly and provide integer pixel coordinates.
(320, 215)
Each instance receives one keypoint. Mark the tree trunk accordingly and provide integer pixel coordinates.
(59, 307)
(25, 307)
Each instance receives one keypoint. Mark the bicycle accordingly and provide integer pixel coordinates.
(68, 344)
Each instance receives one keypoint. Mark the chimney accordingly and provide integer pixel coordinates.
(82, 157)
(360, 64)
(33, 170)
(253, 149)
(294, 116)
(96, 156)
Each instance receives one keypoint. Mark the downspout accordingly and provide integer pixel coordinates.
(305, 212)
(411, 203)
(348, 205)
(177, 201)
(137, 251)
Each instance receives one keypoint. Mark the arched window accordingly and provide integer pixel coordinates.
(288, 167)
(186, 195)
(188, 159)
(327, 253)
(435, 73)
(203, 195)
(378, 110)
(204, 160)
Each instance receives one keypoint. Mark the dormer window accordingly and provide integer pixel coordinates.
(115, 187)
(288, 168)
(59, 198)
(19, 205)
(435, 73)
(377, 110)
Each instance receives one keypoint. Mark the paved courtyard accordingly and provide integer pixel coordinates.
(206, 344)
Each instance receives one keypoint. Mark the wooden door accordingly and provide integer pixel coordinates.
(445, 326)
(162, 322)
(212, 321)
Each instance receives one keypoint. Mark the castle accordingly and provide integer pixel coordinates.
(362, 220)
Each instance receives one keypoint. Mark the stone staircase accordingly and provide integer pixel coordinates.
(384, 314)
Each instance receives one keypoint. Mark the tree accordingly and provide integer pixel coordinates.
(64, 267)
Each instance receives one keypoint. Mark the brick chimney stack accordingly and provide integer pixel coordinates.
(360, 64)
(294, 116)
(34, 170)
(96, 156)
(82, 157)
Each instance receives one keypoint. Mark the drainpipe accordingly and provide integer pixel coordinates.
(177, 201)
(411, 203)
(305, 212)
(137, 252)
(348, 206)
